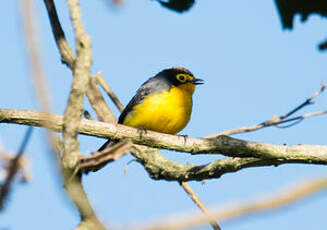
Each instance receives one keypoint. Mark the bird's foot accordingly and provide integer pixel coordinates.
(141, 131)
(184, 136)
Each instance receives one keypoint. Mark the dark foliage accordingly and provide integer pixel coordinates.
(289, 8)
(177, 5)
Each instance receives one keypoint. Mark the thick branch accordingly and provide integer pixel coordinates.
(161, 168)
(72, 118)
(225, 145)
(81, 72)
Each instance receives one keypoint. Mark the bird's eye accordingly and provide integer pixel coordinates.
(181, 77)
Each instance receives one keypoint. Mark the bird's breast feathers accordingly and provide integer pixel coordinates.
(167, 111)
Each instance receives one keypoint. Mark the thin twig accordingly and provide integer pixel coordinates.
(95, 161)
(199, 203)
(278, 120)
(37, 75)
(6, 159)
(67, 55)
(300, 118)
(13, 168)
(31, 35)
(231, 212)
(273, 122)
(98, 103)
(110, 93)
(307, 102)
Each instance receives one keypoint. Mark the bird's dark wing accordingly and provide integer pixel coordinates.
(152, 85)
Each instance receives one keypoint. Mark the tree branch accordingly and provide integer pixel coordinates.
(275, 121)
(109, 92)
(93, 92)
(229, 213)
(97, 102)
(224, 145)
(67, 55)
(13, 168)
(199, 203)
(72, 118)
(98, 159)
(24, 167)
(37, 76)
(160, 167)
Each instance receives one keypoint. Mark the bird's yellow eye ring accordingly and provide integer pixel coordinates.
(182, 78)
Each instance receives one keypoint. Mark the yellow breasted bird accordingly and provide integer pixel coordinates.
(163, 103)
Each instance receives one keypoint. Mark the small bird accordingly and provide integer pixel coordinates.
(163, 103)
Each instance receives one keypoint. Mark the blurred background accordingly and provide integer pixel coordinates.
(253, 69)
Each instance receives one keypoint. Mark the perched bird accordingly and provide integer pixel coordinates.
(163, 103)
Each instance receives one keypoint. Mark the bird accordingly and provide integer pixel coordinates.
(163, 103)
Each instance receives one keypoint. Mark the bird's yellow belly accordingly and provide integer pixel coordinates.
(166, 112)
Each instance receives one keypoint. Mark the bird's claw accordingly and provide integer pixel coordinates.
(185, 138)
(141, 131)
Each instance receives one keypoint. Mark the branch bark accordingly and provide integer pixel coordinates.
(72, 118)
(225, 145)
(68, 57)
(243, 153)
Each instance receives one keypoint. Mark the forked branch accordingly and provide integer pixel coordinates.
(284, 119)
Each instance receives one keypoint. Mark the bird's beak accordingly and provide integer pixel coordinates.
(197, 81)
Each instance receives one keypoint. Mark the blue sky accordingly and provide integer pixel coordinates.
(253, 70)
